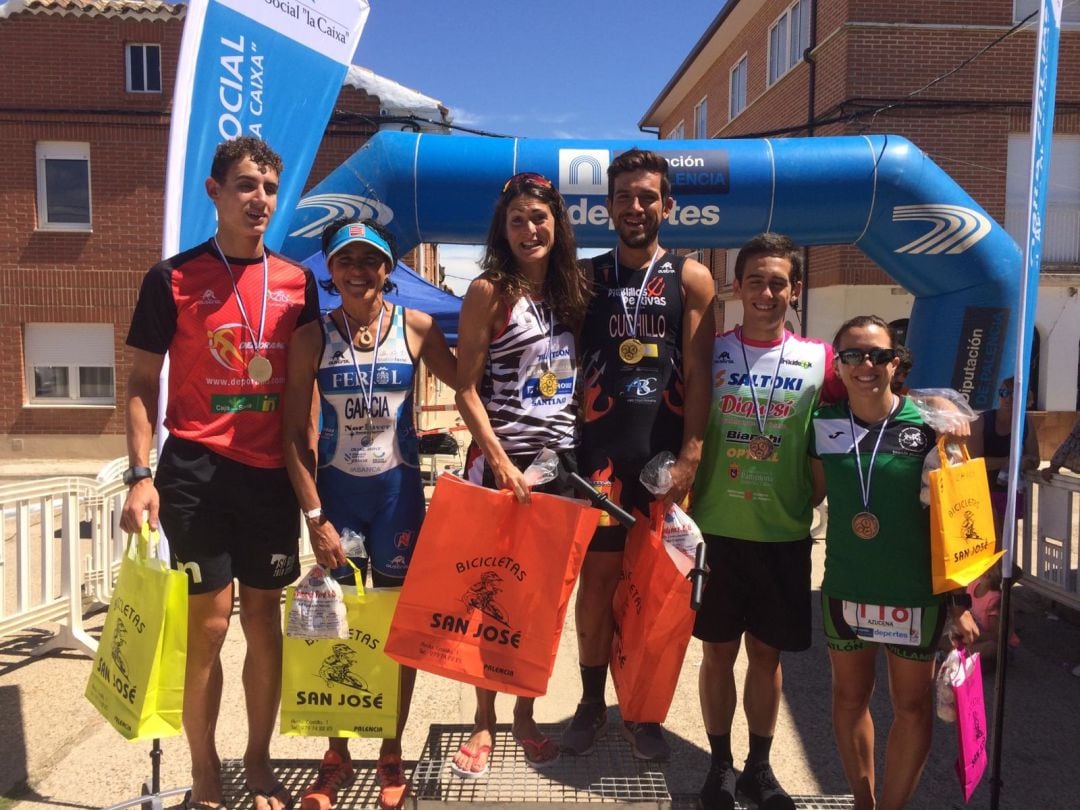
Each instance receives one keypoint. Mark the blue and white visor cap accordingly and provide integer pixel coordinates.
(357, 232)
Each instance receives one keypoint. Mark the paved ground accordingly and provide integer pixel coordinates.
(58, 753)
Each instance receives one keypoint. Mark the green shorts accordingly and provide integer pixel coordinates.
(842, 637)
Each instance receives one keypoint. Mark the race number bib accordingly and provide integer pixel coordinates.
(884, 624)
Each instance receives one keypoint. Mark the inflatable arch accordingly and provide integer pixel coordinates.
(878, 192)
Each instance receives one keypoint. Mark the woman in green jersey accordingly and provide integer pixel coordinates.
(868, 454)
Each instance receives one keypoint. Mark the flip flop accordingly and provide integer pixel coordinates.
(534, 751)
(271, 793)
(482, 751)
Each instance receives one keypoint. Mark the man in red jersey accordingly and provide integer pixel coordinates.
(224, 312)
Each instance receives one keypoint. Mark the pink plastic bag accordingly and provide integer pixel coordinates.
(970, 723)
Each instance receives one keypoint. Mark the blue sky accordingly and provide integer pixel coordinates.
(534, 68)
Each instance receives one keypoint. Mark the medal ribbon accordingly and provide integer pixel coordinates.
(240, 301)
(864, 483)
(641, 291)
(545, 327)
(762, 420)
(369, 390)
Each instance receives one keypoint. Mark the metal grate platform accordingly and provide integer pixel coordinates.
(298, 774)
(610, 775)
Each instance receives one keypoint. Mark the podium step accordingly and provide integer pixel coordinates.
(609, 775)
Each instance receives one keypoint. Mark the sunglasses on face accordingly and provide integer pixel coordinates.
(856, 357)
(1005, 393)
(531, 178)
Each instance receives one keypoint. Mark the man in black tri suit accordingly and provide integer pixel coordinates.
(645, 353)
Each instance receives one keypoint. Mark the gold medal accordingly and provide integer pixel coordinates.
(548, 385)
(760, 448)
(865, 525)
(631, 351)
(259, 369)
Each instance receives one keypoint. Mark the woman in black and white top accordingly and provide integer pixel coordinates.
(517, 383)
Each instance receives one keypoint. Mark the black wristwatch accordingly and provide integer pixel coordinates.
(959, 600)
(133, 475)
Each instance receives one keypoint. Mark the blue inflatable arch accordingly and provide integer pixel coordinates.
(877, 192)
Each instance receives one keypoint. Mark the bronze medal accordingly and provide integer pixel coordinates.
(259, 369)
(548, 384)
(865, 525)
(631, 351)
(760, 448)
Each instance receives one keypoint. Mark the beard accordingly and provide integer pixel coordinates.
(640, 239)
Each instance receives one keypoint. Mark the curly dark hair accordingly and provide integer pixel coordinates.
(770, 244)
(229, 152)
(565, 288)
(339, 223)
(639, 160)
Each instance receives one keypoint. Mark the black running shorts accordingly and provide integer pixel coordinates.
(758, 588)
(224, 519)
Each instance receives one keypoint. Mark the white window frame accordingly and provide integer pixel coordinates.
(785, 56)
(71, 346)
(701, 119)
(1061, 228)
(741, 66)
(1070, 12)
(61, 150)
(127, 67)
(678, 132)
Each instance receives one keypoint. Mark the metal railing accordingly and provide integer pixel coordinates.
(61, 552)
(1048, 549)
(41, 573)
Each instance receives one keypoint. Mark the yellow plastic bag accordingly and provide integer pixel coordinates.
(962, 539)
(137, 681)
(347, 687)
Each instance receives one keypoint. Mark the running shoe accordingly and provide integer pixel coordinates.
(590, 720)
(718, 792)
(647, 741)
(334, 773)
(391, 781)
(758, 783)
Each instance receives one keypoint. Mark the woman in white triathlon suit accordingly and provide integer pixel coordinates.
(362, 356)
(517, 385)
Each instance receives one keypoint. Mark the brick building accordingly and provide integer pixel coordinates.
(84, 121)
(778, 68)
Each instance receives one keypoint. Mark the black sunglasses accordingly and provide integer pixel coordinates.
(856, 357)
(1005, 392)
(527, 177)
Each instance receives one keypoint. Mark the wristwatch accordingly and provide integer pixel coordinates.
(135, 474)
(315, 515)
(959, 600)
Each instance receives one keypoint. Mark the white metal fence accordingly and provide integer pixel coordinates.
(61, 551)
(1048, 550)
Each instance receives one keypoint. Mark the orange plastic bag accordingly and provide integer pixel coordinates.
(488, 586)
(962, 538)
(653, 622)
